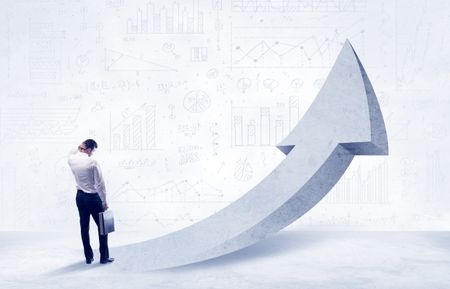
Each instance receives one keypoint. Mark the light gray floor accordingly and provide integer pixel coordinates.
(290, 259)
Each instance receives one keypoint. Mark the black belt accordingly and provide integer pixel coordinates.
(80, 191)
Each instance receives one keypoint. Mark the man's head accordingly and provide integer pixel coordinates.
(88, 146)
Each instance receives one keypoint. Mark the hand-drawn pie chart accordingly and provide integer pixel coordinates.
(196, 101)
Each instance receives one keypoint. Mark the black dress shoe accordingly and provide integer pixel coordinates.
(89, 261)
(106, 261)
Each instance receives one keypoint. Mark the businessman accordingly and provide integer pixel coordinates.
(91, 196)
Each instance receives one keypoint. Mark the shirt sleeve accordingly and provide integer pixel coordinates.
(72, 151)
(99, 183)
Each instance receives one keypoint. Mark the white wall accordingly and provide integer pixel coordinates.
(72, 70)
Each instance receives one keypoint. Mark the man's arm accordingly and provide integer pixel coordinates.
(99, 184)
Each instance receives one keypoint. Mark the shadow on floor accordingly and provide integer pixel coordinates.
(280, 243)
(72, 268)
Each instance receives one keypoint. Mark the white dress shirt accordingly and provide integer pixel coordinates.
(88, 175)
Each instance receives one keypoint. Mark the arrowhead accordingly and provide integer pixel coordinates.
(345, 111)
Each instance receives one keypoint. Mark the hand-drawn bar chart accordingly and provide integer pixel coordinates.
(263, 126)
(173, 18)
(136, 131)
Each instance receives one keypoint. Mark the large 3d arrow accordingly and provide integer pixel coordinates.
(344, 120)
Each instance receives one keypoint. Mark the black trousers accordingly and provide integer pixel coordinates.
(91, 204)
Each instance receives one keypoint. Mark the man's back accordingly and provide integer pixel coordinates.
(81, 166)
(91, 196)
(87, 174)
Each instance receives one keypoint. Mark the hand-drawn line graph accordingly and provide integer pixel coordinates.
(118, 61)
(43, 124)
(290, 47)
(170, 192)
(284, 6)
(263, 126)
(172, 204)
(133, 218)
(172, 18)
(137, 131)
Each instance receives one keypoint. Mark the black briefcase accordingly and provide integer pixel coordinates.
(106, 222)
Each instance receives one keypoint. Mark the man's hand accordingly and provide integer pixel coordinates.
(105, 206)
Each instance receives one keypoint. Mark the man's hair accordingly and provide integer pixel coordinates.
(90, 144)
